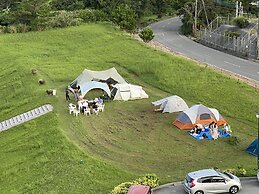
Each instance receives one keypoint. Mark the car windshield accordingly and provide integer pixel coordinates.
(225, 175)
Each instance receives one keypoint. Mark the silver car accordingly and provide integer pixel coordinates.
(211, 181)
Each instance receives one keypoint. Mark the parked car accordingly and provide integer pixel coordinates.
(211, 181)
(139, 189)
(258, 175)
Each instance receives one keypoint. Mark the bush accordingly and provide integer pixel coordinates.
(21, 28)
(146, 34)
(241, 22)
(100, 15)
(122, 188)
(150, 180)
(240, 171)
(10, 29)
(87, 15)
(63, 19)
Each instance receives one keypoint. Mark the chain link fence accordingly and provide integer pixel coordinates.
(244, 45)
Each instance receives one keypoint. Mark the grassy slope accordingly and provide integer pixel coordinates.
(39, 156)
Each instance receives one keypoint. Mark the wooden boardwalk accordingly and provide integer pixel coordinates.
(27, 116)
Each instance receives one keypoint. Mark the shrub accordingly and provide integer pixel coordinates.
(62, 19)
(10, 29)
(146, 34)
(100, 15)
(122, 188)
(150, 180)
(21, 28)
(87, 15)
(241, 171)
(241, 22)
(2, 29)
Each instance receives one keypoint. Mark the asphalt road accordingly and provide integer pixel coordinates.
(250, 186)
(167, 33)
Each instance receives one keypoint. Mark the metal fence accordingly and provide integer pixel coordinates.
(244, 45)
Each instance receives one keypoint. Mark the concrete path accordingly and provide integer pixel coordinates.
(22, 118)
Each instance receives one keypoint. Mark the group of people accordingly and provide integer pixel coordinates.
(75, 91)
(212, 129)
(91, 105)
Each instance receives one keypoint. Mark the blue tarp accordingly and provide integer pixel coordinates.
(253, 148)
(206, 134)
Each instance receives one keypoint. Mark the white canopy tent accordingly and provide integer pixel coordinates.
(128, 92)
(171, 104)
(86, 87)
(101, 76)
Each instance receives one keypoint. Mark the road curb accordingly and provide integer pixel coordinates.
(248, 178)
(168, 185)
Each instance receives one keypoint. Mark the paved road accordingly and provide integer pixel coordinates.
(166, 33)
(250, 186)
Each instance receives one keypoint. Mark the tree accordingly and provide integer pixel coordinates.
(146, 34)
(124, 16)
(69, 5)
(33, 13)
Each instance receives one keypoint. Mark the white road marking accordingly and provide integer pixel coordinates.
(232, 64)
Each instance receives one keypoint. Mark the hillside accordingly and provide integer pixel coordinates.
(59, 153)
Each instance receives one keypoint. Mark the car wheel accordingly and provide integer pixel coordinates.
(199, 192)
(233, 189)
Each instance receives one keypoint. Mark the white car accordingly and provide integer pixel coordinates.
(258, 175)
(211, 181)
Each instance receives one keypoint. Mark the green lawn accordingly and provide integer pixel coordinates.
(59, 153)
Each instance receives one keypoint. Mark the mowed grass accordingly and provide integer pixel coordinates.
(59, 153)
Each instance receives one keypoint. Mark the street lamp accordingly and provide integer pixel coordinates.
(257, 116)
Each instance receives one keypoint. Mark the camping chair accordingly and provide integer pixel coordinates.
(101, 108)
(76, 112)
(72, 108)
(95, 111)
(87, 111)
(72, 105)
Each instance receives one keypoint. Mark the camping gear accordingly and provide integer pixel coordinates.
(207, 135)
(253, 148)
(198, 114)
(171, 104)
(127, 92)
